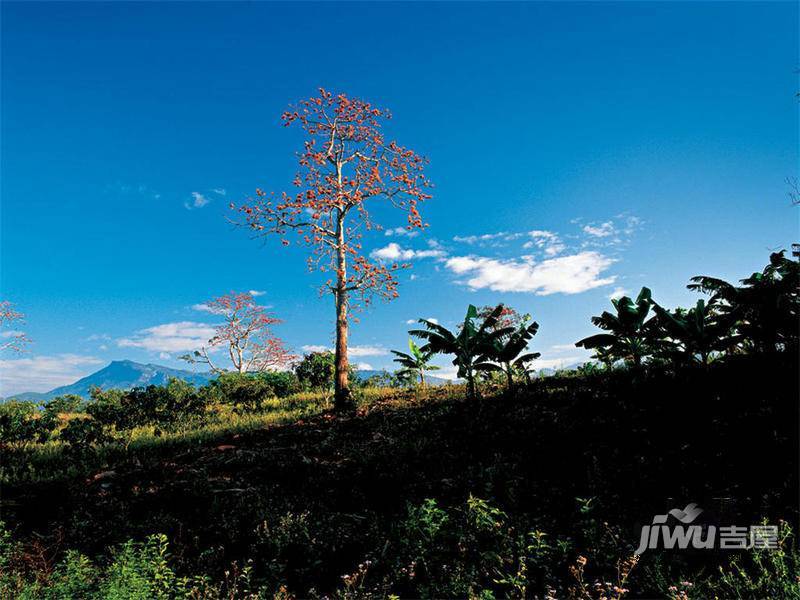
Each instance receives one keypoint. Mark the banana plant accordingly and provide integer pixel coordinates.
(416, 363)
(471, 346)
(509, 351)
(698, 332)
(628, 331)
(765, 307)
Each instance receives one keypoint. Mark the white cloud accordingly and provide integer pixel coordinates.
(170, 337)
(565, 274)
(220, 191)
(164, 355)
(203, 308)
(367, 351)
(315, 348)
(352, 351)
(602, 230)
(394, 251)
(256, 293)
(545, 240)
(198, 201)
(43, 373)
(618, 292)
(402, 231)
(415, 321)
(363, 366)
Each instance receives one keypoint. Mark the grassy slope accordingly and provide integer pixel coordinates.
(638, 445)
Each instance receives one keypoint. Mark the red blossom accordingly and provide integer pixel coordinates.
(246, 333)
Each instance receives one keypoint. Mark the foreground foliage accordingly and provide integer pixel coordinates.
(536, 493)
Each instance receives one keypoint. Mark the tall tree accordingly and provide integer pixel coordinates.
(246, 333)
(12, 340)
(346, 164)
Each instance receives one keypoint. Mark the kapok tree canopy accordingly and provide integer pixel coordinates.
(12, 340)
(346, 164)
(246, 334)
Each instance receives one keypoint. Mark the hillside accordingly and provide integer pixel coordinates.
(584, 461)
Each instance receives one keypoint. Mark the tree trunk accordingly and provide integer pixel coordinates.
(509, 376)
(342, 399)
(342, 396)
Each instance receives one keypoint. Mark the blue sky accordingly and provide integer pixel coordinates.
(646, 143)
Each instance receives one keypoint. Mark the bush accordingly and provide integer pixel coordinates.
(316, 370)
(80, 434)
(69, 403)
(22, 423)
(246, 392)
(160, 406)
(283, 383)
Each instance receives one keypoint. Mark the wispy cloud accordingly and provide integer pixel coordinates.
(402, 232)
(198, 201)
(125, 189)
(546, 241)
(98, 337)
(256, 293)
(352, 351)
(394, 251)
(43, 373)
(220, 191)
(570, 274)
(503, 236)
(170, 337)
(602, 230)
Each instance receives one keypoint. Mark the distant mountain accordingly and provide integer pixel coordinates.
(120, 374)
(429, 379)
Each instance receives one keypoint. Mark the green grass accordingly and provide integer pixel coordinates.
(51, 460)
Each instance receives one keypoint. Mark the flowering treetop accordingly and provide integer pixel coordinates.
(13, 341)
(245, 333)
(346, 162)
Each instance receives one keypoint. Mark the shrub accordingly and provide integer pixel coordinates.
(246, 392)
(22, 423)
(283, 383)
(69, 403)
(80, 434)
(160, 406)
(315, 370)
